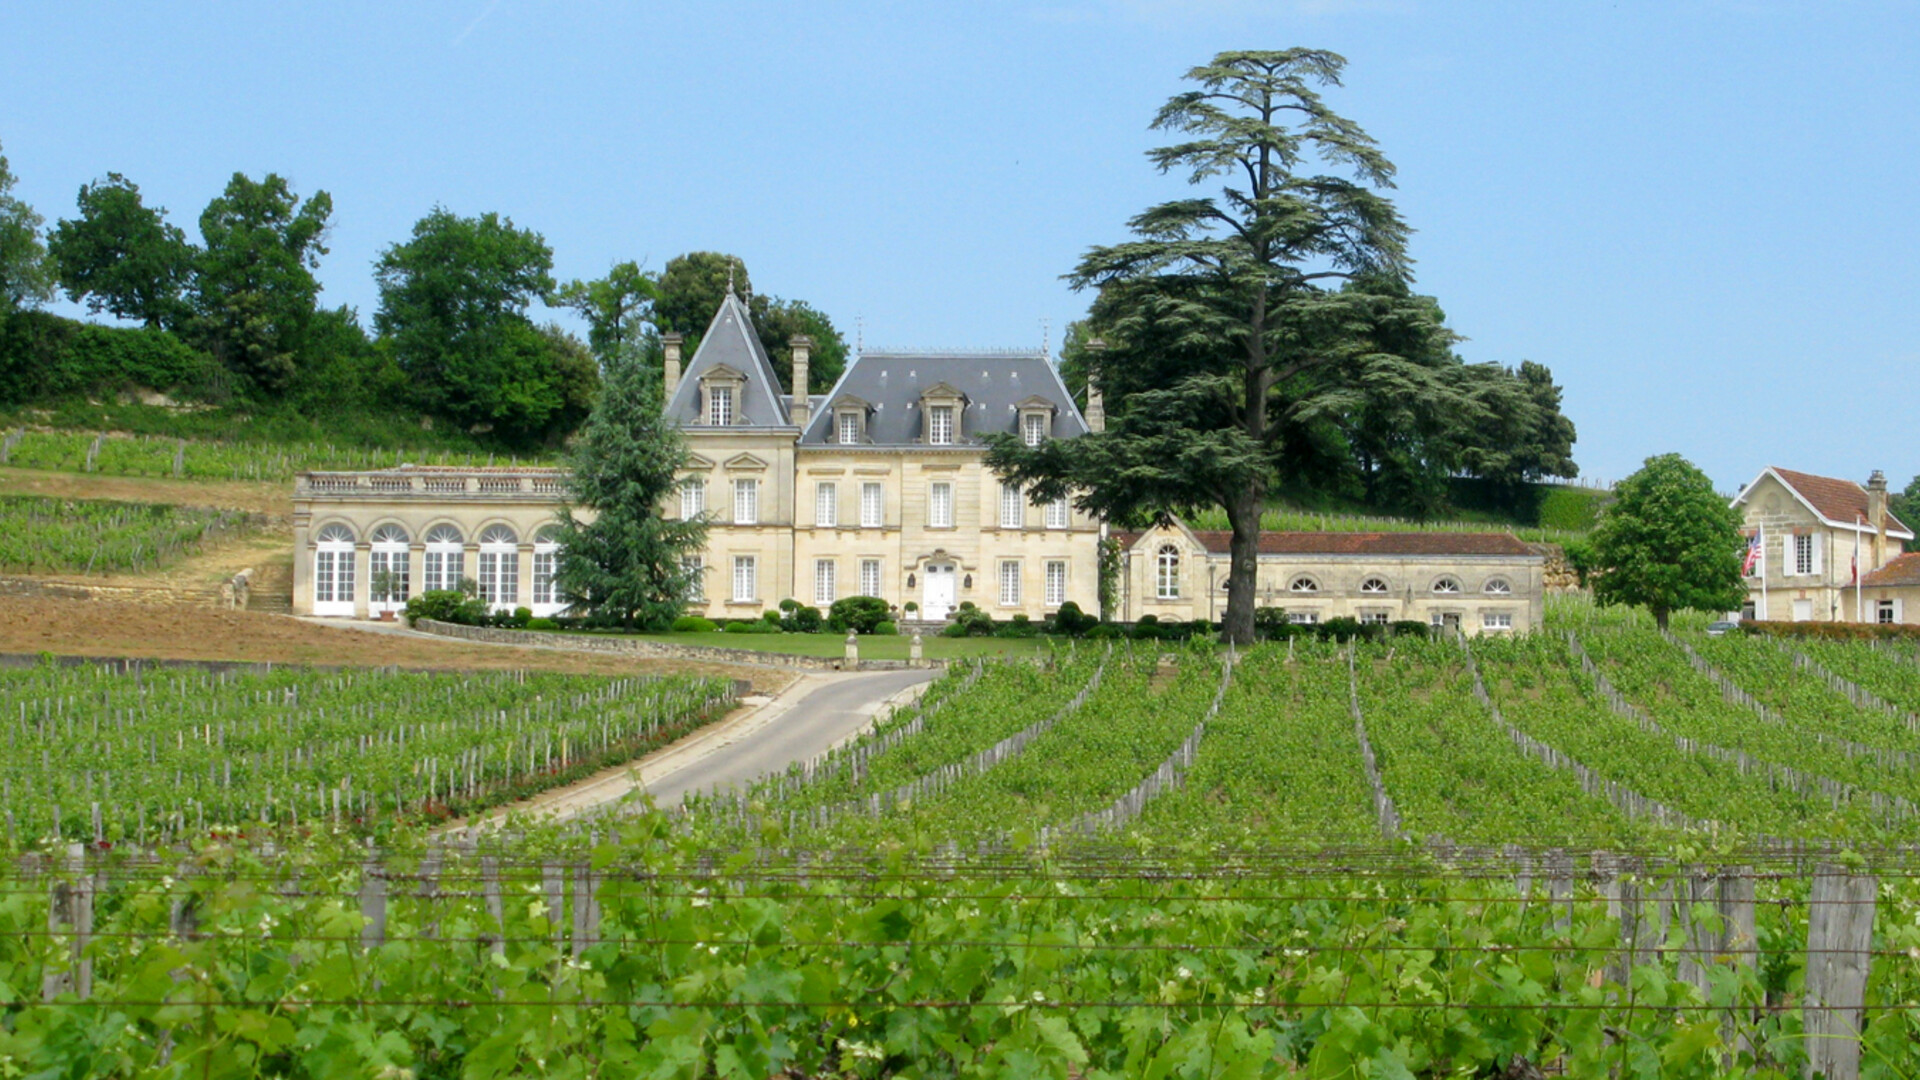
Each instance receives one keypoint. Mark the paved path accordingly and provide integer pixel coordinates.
(815, 713)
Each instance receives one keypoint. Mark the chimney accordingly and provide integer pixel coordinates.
(671, 343)
(1096, 401)
(802, 408)
(1877, 516)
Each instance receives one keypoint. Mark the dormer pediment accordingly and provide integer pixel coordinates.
(848, 401)
(746, 463)
(942, 391)
(696, 463)
(1035, 402)
(723, 373)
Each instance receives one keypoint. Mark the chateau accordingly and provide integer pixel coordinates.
(1829, 550)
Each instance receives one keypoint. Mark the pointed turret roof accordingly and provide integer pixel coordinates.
(730, 342)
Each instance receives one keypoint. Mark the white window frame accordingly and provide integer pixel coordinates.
(1886, 612)
(1446, 586)
(870, 577)
(1374, 585)
(545, 600)
(1009, 582)
(873, 505)
(499, 569)
(745, 579)
(1496, 620)
(746, 500)
(1013, 503)
(1056, 582)
(1497, 587)
(849, 426)
(940, 505)
(1033, 429)
(696, 568)
(693, 498)
(940, 425)
(1373, 618)
(390, 550)
(825, 573)
(1806, 555)
(1059, 516)
(1166, 573)
(444, 562)
(1303, 618)
(1303, 584)
(719, 406)
(333, 554)
(826, 504)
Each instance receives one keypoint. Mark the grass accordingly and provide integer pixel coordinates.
(872, 647)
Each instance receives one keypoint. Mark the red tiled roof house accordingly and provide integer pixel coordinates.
(1815, 531)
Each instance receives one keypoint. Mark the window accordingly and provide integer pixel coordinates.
(1373, 618)
(940, 506)
(1498, 587)
(849, 427)
(387, 564)
(940, 425)
(1885, 611)
(444, 558)
(823, 574)
(1009, 583)
(1303, 618)
(746, 502)
(1446, 585)
(546, 555)
(1057, 513)
(1496, 620)
(696, 570)
(1804, 561)
(873, 506)
(869, 577)
(693, 497)
(1056, 582)
(1375, 586)
(1012, 506)
(499, 567)
(826, 504)
(744, 588)
(333, 571)
(1166, 573)
(1303, 584)
(1033, 428)
(719, 405)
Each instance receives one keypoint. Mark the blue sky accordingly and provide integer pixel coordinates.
(1700, 215)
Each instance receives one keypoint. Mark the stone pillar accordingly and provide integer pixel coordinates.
(1096, 401)
(802, 408)
(671, 343)
(1877, 517)
(916, 655)
(362, 583)
(853, 651)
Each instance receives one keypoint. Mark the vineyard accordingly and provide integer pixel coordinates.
(91, 536)
(1598, 850)
(139, 455)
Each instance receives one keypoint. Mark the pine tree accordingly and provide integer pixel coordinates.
(627, 566)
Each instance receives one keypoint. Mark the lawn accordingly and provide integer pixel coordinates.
(872, 647)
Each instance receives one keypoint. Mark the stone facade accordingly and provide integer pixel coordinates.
(1472, 582)
(1812, 529)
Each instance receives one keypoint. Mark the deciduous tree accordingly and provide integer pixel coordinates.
(254, 293)
(24, 277)
(122, 256)
(617, 307)
(627, 566)
(1668, 541)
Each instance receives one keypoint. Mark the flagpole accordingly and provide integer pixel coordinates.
(1856, 568)
(1763, 573)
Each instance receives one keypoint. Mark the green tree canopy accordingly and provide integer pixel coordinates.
(617, 307)
(122, 256)
(254, 293)
(627, 566)
(1667, 542)
(777, 321)
(25, 280)
(453, 310)
(1235, 343)
(691, 287)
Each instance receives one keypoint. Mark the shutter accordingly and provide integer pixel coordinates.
(1898, 615)
(1819, 554)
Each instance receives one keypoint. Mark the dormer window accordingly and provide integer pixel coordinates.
(719, 405)
(720, 389)
(940, 425)
(849, 427)
(1033, 428)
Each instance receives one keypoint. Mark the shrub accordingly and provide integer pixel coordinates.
(972, 621)
(1344, 628)
(447, 605)
(1020, 626)
(911, 607)
(1832, 631)
(1409, 628)
(1147, 631)
(542, 624)
(1148, 620)
(693, 624)
(1201, 628)
(770, 617)
(885, 629)
(751, 626)
(954, 630)
(859, 614)
(1071, 621)
(1105, 632)
(522, 616)
(799, 619)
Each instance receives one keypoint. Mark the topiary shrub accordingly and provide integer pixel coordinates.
(1020, 626)
(448, 605)
(1105, 632)
(800, 619)
(953, 630)
(693, 624)
(1071, 621)
(885, 629)
(522, 616)
(542, 624)
(972, 621)
(772, 617)
(859, 614)
(1344, 628)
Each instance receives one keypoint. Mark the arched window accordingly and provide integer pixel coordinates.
(546, 554)
(445, 558)
(499, 567)
(1498, 587)
(1446, 585)
(387, 566)
(1374, 586)
(333, 570)
(1303, 584)
(1167, 573)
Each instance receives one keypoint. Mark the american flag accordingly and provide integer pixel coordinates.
(1753, 555)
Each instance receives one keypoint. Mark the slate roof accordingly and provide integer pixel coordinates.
(994, 384)
(1376, 544)
(1842, 503)
(1903, 570)
(730, 340)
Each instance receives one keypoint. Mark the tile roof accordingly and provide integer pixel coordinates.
(890, 385)
(1840, 501)
(1903, 570)
(1380, 544)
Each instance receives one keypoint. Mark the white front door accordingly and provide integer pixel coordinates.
(938, 602)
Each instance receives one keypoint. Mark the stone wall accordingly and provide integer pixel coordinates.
(628, 646)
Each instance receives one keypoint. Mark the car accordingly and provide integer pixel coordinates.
(1723, 626)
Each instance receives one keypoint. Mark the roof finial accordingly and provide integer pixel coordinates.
(859, 335)
(1046, 336)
